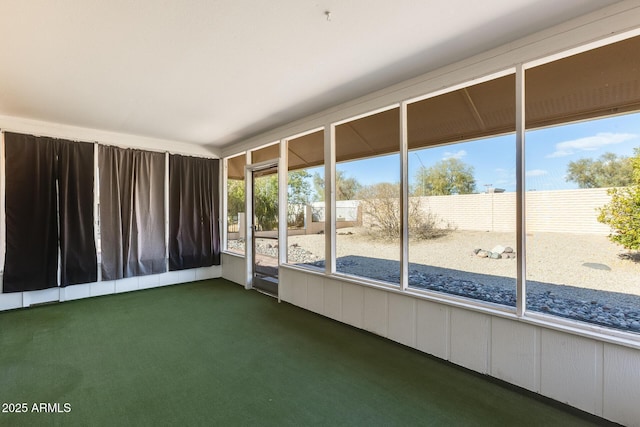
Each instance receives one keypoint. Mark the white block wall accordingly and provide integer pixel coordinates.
(595, 376)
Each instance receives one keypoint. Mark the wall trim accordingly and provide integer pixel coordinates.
(57, 130)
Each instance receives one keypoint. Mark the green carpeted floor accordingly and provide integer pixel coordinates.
(211, 353)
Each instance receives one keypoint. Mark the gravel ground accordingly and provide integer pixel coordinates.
(582, 277)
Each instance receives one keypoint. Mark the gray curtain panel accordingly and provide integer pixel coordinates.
(48, 182)
(132, 217)
(194, 236)
(75, 198)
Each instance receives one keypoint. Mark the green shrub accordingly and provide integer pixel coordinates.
(622, 213)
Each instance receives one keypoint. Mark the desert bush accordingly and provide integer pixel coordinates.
(380, 205)
(425, 226)
(622, 213)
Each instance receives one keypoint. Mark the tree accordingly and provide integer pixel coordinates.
(449, 176)
(266, 198)
(265, 206)
(298, 196)
(346, 187)
(608, 170)
(622, 213)
(235, 197)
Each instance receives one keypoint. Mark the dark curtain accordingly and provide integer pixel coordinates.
(77, 239)
(132, 217)
(44, 176)
(194, 238)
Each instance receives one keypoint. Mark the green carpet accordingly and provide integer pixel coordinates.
(211, 353)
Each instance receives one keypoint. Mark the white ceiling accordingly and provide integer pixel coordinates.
(212, 72)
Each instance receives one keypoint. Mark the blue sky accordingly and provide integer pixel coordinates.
(548, 151)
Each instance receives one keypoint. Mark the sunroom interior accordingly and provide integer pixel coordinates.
(555, 314)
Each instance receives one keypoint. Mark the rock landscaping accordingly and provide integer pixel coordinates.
(498, 252)
(583, 284)
(592, 311)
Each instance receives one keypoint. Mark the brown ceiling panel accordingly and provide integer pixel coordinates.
(306, 151)
(269, 152)
(599, 82)
(369, 136)
(235, 167)
(484, 109)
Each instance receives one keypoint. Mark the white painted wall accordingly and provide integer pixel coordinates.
(74, 133)
(233, 268)
(597, 377)
(15, 300)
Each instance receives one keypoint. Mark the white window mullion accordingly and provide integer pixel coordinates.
(249, 219)
(3, 220)
(521, 235)
(224, 225)
(330, 198)
(404, 199)
(96, 209)
(166, 210)
(283, 172)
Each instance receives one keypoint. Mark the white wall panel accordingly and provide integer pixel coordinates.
(204, 273)
(332, 299)
(38, 297)
(571, 370)
(402, 319)
(102, 288)
(233, 268)
(286, 284)
(514, 353)
(75, 292)
(127, 285)
(432, 328)
(315, 293)
(185, 276)
(621, 385)
(375, 311)
(353, 305)
(10, 301)
(86, 290)
(169, 278)
(469, 339)
(299, 288)
(150, 281)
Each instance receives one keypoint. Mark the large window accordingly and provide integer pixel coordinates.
(367, 192)
(305, 201)
(462, 182)
(578, 212)
(583, 126)
(236, 218)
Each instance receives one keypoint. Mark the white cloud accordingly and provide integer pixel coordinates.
(537, 172)
(457, 155)
(590, 143)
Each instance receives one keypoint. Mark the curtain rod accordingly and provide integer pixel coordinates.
(108, 144)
